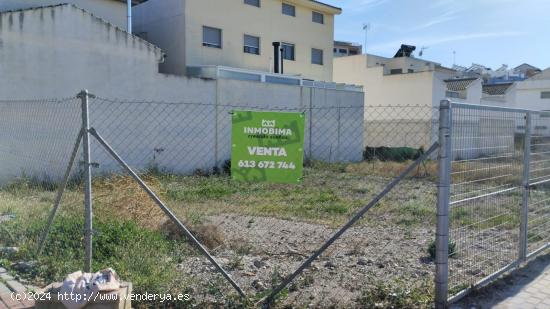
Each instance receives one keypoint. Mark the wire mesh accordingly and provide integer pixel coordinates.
(258, 232)
(37, 139)
(486, 193)
(538, 234)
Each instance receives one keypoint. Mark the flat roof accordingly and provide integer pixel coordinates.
(330, 6)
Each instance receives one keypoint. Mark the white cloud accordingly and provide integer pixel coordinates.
(436, 40)
(443, 18)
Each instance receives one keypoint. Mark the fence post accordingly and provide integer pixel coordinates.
(88, 228)
(443, 199)
(310, 123)
(338, 145)
(525, 183)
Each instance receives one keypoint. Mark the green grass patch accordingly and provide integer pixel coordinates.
(397, 295)
(146, 258)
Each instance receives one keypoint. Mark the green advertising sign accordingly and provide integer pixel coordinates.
(267, 146)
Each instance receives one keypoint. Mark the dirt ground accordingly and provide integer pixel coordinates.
(363, 257)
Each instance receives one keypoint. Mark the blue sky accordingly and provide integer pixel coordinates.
(489, 32)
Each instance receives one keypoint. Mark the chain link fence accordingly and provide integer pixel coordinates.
(258, 233)
(252, 237)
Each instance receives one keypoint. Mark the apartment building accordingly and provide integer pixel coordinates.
(240, 34)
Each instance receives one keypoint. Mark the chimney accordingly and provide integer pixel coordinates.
(276, 56)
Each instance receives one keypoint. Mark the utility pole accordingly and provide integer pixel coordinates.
(366, 28)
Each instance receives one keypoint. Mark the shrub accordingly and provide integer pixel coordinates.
(452, 249)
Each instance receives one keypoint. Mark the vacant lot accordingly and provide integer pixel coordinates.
(259, 232)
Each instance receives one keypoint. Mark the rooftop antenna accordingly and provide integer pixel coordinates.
(366, 28)
(422, 49)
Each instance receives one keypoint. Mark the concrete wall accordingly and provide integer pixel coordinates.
(163, 24)
(55, 52)
(528, 94)
(237, 19)
(36, 137)
(113, 11)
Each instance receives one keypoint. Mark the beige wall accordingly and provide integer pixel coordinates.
(415, 89)
(237, 19)
(399, 109)
(113, 11)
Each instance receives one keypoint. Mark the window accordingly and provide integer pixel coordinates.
(335, 50)
(410, 70)
(252, 2)
(396, 71)
(545, 95)
(251, 44)
(318, 18)
(288, 51)
(317, 56)
(211, 37)
(353, 52)
(452, 94)
(289, 10)
(343, 51)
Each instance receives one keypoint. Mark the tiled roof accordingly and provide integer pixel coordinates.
(496, 89)
(459, 84)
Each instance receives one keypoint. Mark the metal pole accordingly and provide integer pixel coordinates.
(88, 228)
(524, 217)
(338, 153)
(216, 126)
(310, 129)
(349, 224)
(443, 199)
(59, 196)
(129, 17)
(165, 209)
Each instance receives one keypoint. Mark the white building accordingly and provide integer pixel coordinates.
(532, 93)
(344, 49)
(114, 12)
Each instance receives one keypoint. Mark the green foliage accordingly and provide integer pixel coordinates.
(384, 295)
(416, 213)
(212, 188)
(140, 256)
(452, 249)
(396, 154)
